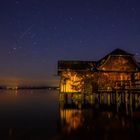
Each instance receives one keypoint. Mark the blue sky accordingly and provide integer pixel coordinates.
(35, 34)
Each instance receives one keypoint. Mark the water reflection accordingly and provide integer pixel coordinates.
(28, 114)
(43, 115)
(106, 117)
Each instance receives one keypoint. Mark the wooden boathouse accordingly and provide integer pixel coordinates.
(117, 72)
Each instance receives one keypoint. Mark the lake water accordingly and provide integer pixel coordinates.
(38, 115)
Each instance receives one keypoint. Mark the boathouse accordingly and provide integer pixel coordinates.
(116, 70)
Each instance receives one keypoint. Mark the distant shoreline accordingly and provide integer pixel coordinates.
(35, 88)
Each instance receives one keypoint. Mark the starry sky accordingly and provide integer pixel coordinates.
(35, 34)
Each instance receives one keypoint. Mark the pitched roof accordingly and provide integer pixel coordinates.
(94, 65)
(116, 52)
(119, 52)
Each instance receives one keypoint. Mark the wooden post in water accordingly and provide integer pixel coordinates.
(108, 98)
(79, 104)
(131, 98)
(131, 103)
(116, 96)
(116, 101)
(126, 107)
(66, 98)
(98, 97)
(61, 105)
(136, 100)
(61, 97)
(126, 97)
(93, 98)
(102, 98)
(91, 101)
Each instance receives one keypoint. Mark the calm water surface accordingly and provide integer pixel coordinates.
(28, 114)
(38, 115)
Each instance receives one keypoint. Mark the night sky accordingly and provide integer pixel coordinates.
(35, 34)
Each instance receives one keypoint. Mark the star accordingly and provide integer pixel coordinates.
(14, 48)
(55, 28)
(81, 41)
(133, 9)
(71, 18)
(17, 2)
(34, 43)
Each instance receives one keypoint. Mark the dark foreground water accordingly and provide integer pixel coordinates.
(38, 115)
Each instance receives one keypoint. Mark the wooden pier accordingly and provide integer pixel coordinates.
(102, 97)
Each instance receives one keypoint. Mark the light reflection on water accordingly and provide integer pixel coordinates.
(99, 124)
(28, 114)
(99, 118)
(38, 115)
